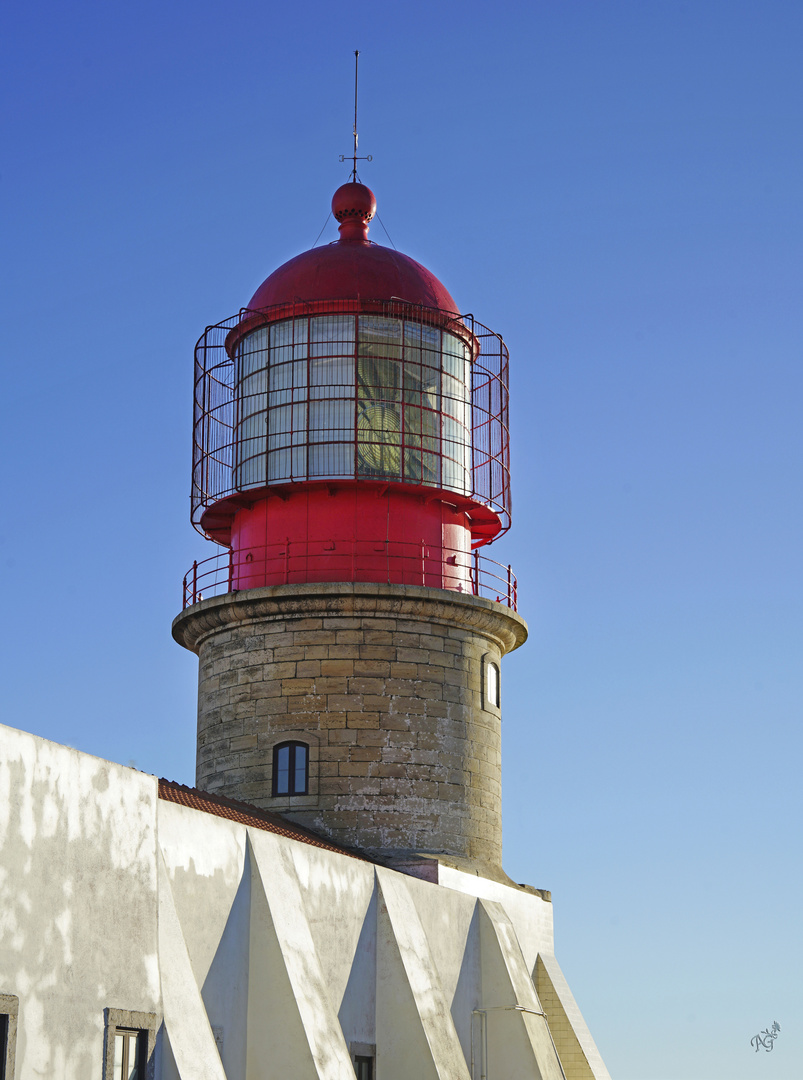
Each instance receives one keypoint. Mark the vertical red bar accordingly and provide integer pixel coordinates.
(231, 569)
(509, 589)
(194, 580)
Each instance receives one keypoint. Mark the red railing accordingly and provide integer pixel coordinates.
(392, 563)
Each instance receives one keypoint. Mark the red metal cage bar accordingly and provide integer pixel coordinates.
(441, 441)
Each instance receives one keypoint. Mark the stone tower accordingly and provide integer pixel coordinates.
(351, 457)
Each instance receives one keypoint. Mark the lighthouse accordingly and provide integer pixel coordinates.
(351, 460)
(328, 902)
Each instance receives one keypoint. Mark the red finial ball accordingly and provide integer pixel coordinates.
(353, 205)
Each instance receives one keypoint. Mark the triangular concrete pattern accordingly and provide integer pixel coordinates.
(292, 1026)
(210, 877)
(518, 1040)
(357, 1013)
(337, 894)
(447, 925)
(191, 1039)
(415, 1032)
(225, 988)
(578, 1052)
(165, 1063)
(468, 992)
(402, 1049)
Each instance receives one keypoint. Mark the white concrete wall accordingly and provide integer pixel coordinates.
(77, 900)
(274, 957)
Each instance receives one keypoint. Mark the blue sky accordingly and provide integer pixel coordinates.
(614, 187)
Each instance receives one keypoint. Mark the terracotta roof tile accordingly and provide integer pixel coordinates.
(246, 814)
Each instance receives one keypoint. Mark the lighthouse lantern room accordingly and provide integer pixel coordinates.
(350, 425)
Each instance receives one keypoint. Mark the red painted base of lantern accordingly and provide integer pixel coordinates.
(358, 532)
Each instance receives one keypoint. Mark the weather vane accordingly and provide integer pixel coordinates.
(353, 157)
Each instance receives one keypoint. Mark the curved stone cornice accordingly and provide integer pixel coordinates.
(273, 603)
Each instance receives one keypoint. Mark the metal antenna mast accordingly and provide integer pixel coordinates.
(354, 157)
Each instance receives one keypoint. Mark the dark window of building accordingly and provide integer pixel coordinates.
(291, 769)
(129, 1054)
(364, 1067)
(3, 1044)
(9, 1011)
(129, 1045)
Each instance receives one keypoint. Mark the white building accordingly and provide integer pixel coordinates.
(241, 946)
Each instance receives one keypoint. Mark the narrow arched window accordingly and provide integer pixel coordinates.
(291, 769)
(492, 695)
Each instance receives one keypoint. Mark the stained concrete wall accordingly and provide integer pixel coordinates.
(77, 900)
(385, 684)
(262, 956)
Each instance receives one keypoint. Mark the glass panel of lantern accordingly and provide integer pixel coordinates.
(287, 400)
(331, 392)
(301, 391)
(456, 391)
(379, 397)
(251, 380)
(421, 403)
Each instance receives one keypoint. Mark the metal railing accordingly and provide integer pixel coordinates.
(329, 561)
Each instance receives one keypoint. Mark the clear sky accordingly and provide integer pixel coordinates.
(615, 186)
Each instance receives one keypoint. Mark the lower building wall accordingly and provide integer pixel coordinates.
(246, 954)
(78, 925)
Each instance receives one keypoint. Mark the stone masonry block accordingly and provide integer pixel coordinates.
(308, 668)
(288, 653)
(363, 720)
(283, 670)
(294, 687)
(360, 685)
(340, 622)
(342, 735)
(364, 753)
(337, 667)
(244, 742)
(344, 702)
(314, 637)
(377, 652)
(376, 702)
(404, 671)
(272, 706)
(306, 703)
(344, 652)
(378, 668)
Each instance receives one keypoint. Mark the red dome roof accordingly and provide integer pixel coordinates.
(352, 268)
